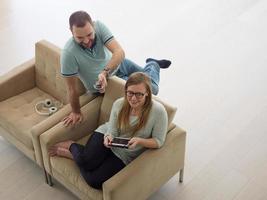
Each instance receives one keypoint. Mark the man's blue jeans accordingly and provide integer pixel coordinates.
(151, 69)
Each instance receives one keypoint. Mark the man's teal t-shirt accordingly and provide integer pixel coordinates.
(84, 62)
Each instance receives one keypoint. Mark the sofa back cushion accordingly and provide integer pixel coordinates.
(114, 91)
(47, 71)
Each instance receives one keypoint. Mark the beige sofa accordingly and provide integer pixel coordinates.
(136, 181)
(24, 86)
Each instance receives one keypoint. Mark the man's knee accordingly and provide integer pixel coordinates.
(155, 89)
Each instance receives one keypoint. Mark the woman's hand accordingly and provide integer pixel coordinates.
(145, 142)
(135, 141)
(107, 140)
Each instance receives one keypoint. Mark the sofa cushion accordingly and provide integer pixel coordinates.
(69, 171)
(18, 116)
(171, 110)
(47, 71)
(114, 90)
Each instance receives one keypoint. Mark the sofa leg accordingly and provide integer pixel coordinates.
(50, 182)
(181, 175)
(48, 178)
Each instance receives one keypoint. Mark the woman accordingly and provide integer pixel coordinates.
(136, 116)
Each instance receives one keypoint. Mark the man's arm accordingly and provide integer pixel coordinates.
(117, 57)
(117, 54)
(75, 116)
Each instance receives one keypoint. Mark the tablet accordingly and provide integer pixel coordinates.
(120, 142)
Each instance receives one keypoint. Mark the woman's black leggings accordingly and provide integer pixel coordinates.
(97, 163)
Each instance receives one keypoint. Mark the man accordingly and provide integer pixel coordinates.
(93, 54)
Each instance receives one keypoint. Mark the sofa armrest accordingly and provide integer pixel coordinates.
(51, 121)
(149, 171)
(17, 80)
(60, 133)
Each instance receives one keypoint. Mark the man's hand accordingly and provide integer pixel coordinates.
(72, 119)
(102, 80)
(107, 140)
(75, 116)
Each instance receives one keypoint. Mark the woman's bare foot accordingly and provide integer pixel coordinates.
(59, 151)
(64, 144)
(64, 153)
(52, 151)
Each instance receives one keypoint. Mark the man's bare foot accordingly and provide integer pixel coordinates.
(64, 144)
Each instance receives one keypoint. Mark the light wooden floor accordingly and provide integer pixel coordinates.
(218, 81)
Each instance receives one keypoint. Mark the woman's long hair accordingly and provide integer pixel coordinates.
(123, 123)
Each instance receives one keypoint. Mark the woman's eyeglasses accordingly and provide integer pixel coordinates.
(138, 95)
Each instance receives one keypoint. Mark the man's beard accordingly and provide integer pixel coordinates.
(84, 46)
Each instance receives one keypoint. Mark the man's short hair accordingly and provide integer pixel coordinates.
(79, 19)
